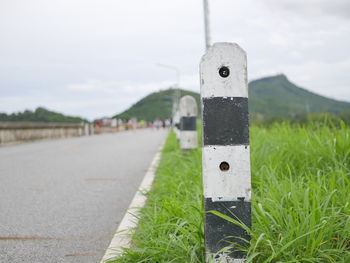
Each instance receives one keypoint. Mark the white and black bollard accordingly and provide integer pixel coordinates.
(176, 120)
(226, 157)
(188, 127)
(91, 129)
(86, 129)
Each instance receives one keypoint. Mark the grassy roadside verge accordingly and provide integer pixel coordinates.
(170, 227)
(301, 206)
(301, 190)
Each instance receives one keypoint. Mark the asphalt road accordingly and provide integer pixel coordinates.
(62, 200)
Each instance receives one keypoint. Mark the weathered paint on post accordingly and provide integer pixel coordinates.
(226, 157)
(86, 129)
(188, 118)
(176, 121)
(91, 129)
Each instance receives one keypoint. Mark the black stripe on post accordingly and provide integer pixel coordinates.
(188, 123)
(216, 227)
(225, 121)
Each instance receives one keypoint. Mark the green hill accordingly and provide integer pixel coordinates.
(277, 96)
(39, 115)
(156, 105)
(269, 97)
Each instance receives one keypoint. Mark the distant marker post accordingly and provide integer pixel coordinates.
(226, 156)
(188, 120)
(176, 121)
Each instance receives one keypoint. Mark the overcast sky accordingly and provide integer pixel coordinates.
(95, 58)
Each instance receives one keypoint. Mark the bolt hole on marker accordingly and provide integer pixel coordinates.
(226, 152)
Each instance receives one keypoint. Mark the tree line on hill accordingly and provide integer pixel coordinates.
(271, 99)
(39, 115)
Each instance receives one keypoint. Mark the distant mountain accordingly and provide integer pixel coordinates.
(39, 115)
(269, 97)
(156, 105)
(277, 96)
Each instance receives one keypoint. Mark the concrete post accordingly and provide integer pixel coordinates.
(91, 129)
(176, 121)
(226, 158)
(188, 117)
(86, 129)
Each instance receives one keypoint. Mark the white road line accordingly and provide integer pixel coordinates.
(122, 238)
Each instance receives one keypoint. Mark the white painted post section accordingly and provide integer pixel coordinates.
(176, 121)
(91, 129)
(86, 129)
(188, 117)
(226, 157)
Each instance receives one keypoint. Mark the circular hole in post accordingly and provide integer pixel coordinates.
(224, 72)
(224, 166)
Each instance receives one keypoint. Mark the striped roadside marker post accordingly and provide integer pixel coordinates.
(177, 124)
(188, 118)
(226, 157)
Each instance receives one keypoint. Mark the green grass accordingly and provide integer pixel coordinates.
(171, 227)
(301, 190)
(301, 193)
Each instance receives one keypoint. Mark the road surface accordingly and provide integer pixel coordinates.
(62, 200)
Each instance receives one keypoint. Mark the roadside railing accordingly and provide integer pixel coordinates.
(15, 132)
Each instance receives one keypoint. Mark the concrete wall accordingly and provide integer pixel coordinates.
(13, 132)
(103, 129)
(100, 130)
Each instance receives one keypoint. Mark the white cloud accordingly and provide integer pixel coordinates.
(340, 8)
(332, 76)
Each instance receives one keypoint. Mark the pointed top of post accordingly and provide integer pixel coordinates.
(223, 71)
(188, 106)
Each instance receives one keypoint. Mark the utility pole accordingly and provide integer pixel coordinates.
(176, 98)
(172, 68)
(206, 24)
